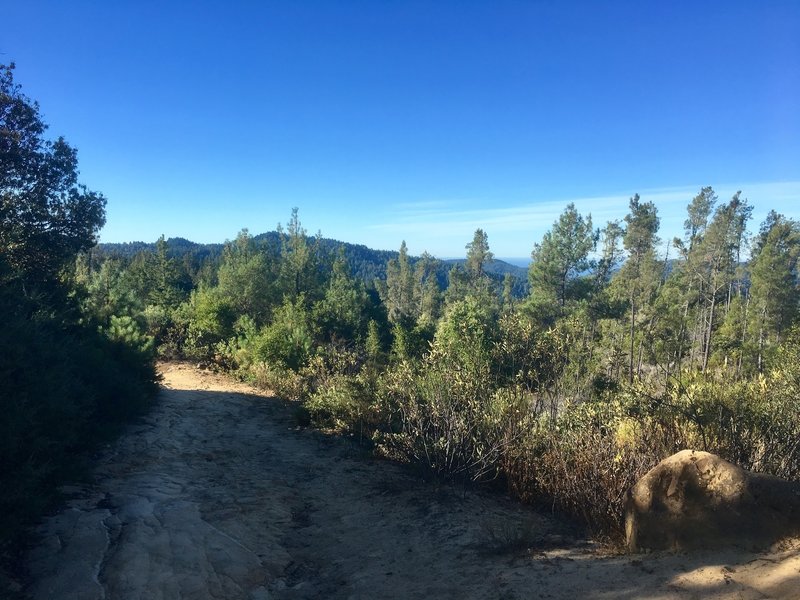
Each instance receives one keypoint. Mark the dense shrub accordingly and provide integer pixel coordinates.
(754, 423)
(288, 340)
(346, 403)
(63, 391)
(596, 450)
(448, 413)
(75, 363)
(584, 463)
(451, 430)
(280, 380)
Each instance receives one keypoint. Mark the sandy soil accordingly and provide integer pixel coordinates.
(218, 495)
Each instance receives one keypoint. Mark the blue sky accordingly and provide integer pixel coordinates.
(385, 120)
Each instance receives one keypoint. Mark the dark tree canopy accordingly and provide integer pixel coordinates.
(46, 216)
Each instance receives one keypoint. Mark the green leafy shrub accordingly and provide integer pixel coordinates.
(211, 320)
(288, 340)
(754, 423)
(345, 403)
(127, 331)
(54, 416)
(284, 382)
(448, 414)
(586, 460)
(451, 430)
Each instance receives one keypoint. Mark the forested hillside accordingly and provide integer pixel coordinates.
(364, 263)
(70, 375)
(615, 355)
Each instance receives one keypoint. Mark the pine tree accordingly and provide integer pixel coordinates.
(711, 258)
(165, 292)
(245, 281)
(478, 255)
(427, 294)
(399, 291)
(639, 275)
(774, 281)
(300, 272)
(341, 313)
(699, 210)
(562, 257)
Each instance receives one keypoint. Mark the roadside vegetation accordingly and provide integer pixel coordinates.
(71, 373)
(565, 388)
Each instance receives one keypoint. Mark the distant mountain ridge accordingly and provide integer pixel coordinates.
(365, 263)
(495, 267)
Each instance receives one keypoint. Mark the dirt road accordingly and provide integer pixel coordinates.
(218, 495)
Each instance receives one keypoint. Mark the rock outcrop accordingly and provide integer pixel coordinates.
(696, 499)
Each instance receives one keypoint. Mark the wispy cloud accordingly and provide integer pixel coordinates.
(514, 228)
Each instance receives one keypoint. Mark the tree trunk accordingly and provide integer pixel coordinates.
(707, 351)
(761, 341)
(632, 332)
(744, 337)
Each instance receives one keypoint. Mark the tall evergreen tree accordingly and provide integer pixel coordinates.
(341, 314)
(639, 275)
(774, 281)
(165, 292)
(710, 262)
(562, 256)
(245, 279)
(427, 294)
(299, 265)
(399, 291)
(611, 235)
(478, 255)
(699, 210)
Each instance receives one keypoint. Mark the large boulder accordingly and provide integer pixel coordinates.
(696, 499)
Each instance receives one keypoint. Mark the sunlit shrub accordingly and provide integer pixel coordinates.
(284, 382)
(288, 340)
(345, 403)
(126, 330)
(584, 464)
(754, 423)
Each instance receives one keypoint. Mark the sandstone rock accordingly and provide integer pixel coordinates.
(696, 499)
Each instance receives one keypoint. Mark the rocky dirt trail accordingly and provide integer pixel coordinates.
(218, 495)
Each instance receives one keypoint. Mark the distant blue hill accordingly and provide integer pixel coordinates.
(523, 262)
(495, 267)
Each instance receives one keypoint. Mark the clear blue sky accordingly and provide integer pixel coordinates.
(388, 120)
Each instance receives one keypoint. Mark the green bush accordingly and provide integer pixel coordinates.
(288, 340)
(754, 423)
(345, 403)
(586, 460)
(276, 378)
(452, 430)
(65, 390)
(210, 319)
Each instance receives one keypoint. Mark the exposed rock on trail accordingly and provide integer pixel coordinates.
(695, 499)
(218, 495)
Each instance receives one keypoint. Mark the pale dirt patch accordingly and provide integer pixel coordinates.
(217, 494)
